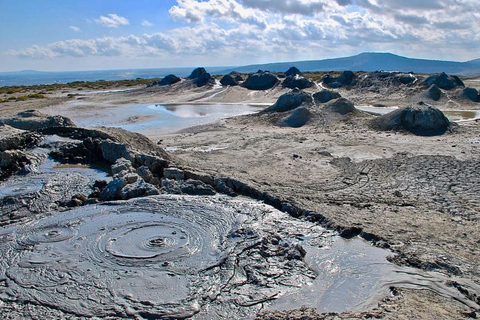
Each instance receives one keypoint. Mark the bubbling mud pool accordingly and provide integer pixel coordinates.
(172, 256)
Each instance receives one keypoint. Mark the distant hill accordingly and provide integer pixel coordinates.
(370, 61)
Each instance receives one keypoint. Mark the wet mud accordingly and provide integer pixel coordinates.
(171, 256)
(44, 184)
(160, 257)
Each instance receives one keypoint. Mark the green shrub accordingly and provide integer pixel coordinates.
(36, 96)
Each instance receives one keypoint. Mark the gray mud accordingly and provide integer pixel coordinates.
(184, 256)
(45, 183)
(167, 256)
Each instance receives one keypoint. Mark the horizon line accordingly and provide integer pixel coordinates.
(236, 66)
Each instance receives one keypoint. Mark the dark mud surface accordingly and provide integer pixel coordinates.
(44, 183)
(166, 256)
(188, 256)
(417, 196)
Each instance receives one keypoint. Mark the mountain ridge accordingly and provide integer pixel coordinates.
(370, 61)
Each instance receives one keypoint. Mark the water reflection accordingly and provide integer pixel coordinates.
(164, 118)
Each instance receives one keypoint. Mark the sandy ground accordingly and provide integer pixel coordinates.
(418, 195)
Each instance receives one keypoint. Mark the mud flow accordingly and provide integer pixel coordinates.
(173, 256)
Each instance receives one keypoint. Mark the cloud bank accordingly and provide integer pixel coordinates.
(248, 31)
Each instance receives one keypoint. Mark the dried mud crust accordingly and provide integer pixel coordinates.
(430, 204)
(402, 304)
(424, 207)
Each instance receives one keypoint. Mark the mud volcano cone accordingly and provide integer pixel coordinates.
(422, 119)
(290, 101)
(341, 106)
(298, 118)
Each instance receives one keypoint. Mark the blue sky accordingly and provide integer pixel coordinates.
(106, 34)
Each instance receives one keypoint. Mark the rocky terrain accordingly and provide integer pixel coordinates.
(407, 181)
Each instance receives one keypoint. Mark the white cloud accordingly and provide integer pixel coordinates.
(112, 20)
(303, 7)
(236, 32)
(232, 11)
(74, 28)
(106, 46)
(146, 23)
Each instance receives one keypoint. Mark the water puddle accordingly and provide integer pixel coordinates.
(462, 115)
(452, 115)
(349, 269)
(376, 110)
(183, 256)
(210, 148)
(161, 118)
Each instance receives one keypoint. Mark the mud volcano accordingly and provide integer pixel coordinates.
(422, 119)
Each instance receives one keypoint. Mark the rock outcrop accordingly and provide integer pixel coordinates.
(293, 71)
(169, 80)
(421, 119)
(237, 76)
(261, 81)
(434, 92)
(444, 81)
(290, 101)
(228, 80)
(406, 78)
(12, 138)
(384, 81)
(111, 151)
(471, 94)
(12, 161)
(35, 120)
(341, 106)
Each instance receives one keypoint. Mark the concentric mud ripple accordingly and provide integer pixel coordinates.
(47, 234)
(167, 257)
(175, 243)
(20, 186)
(160, 257)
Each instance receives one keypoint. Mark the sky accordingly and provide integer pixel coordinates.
(63, 35)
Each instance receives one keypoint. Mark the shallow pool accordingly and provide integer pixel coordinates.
(163, 118)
